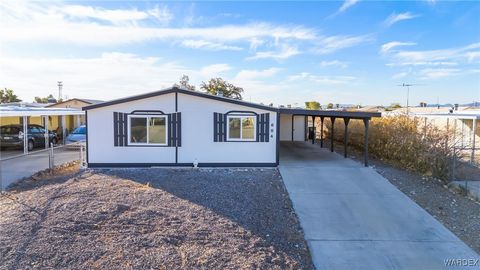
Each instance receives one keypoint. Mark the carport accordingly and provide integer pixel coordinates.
(294, 126)
(49, 118)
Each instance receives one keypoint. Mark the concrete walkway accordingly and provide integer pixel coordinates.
(353, 218)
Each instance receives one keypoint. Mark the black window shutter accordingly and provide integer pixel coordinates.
(219, 127)
(179, 129)
(119, 129)
(263, 122)
(174, 129)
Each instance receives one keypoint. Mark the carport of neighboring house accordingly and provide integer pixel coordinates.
(59, 120)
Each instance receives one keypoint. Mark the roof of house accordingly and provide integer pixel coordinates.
(85, 100)
(183, 91)
(296, 111)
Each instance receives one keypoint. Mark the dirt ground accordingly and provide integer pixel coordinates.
(454, 210)
(152, 219)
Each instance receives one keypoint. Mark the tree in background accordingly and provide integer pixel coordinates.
(312, 105)
(330, 106)
(216, 85)
(184, 83)
(49, 99)
(7, 96)
(395, 106)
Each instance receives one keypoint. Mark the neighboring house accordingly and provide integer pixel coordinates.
(177, 127)
(75, 103)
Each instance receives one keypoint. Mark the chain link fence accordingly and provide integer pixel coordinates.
(15, 166)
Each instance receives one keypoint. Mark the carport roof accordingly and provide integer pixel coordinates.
(330, 113)
(15, 111)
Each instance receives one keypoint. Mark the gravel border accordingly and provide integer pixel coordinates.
(152, 219)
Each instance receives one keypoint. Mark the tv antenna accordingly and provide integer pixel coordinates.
(407, 85)
(60, 85)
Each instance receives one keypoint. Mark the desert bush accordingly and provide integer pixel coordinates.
(402, 141)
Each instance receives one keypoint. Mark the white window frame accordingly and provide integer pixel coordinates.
(241, 139)
(148, 116)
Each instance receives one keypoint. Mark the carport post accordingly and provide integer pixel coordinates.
(365, 157)
(25, 135)
(332, 119)
(314, 131)
(345, 137)
(474, 127)
(63, 129)
(292, 126)
(45, 125)
(305, 127)
(321, 131)
(77, 120)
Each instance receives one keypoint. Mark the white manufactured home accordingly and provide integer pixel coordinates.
(177, 127)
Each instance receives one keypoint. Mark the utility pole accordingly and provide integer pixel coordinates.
(60, 85)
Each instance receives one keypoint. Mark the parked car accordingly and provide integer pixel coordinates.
(77, 138)
(12, 136)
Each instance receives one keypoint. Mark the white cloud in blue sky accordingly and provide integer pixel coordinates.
(279, 52)
(394, 18)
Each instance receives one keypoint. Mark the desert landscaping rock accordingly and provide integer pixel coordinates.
(152, 219)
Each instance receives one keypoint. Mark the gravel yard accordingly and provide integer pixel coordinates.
(458, 213)
(152, 219)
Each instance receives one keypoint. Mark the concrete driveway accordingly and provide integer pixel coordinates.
(14, 169)
(353, 218)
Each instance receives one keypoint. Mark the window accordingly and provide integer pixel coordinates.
(147, 130)
(241, 128)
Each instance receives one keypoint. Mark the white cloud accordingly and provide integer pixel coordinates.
(115, 16)
(438, 73)
(390, 45)
(394, 18)
(34, 22)
(326, 45)
(285, 52)
(471, 56)
(247, 75)
(328, 80)
(462, 53)
(214, 70)
(209, 45)
(422, 63)
(334, 63)
(162, 14)
(111, 75)
(346, 5)
(255, 43)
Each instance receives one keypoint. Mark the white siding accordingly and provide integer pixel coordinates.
(197, 135)
(100, 134)
(286, 127)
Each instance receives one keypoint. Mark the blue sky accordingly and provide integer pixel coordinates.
(353, 52)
